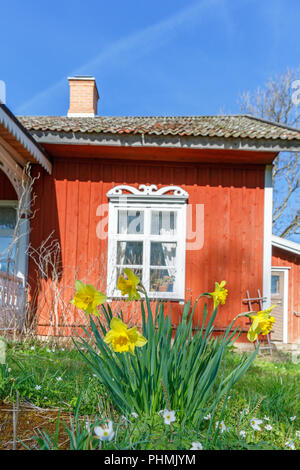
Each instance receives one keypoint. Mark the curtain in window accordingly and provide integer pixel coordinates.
(163, 223)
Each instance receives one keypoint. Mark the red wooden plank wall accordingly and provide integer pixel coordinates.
(7, 191)
(284, 258)
(233, 198)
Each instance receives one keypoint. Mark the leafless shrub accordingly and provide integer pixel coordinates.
(13, 291)
(54, 287)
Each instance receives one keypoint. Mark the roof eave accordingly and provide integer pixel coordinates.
(286, 245)
(24, 137)
(175, 141)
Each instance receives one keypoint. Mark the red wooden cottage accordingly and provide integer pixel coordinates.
(184, 201)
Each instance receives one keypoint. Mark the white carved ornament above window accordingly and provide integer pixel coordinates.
(147, 193)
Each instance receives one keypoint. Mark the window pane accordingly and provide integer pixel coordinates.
(163, 223)
(163, 254)
(129, 253)
(162, 280)
(275, 284)
(130, 222)
(7, 254)
(7, 218)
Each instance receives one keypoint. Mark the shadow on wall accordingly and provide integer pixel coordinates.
(159, 172)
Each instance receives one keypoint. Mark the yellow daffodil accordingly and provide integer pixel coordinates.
(87, 298)
(219, 295)
(123, 339)
(262, 323)
(130, 285)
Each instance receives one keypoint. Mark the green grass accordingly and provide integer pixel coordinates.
(59, 372)
(268, 389)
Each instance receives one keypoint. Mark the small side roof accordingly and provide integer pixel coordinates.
(286, 245)
(13, 132)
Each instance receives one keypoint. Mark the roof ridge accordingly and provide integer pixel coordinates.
(130, 116)
(197, 116)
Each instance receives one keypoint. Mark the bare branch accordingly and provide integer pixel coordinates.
(292, 227)
(274, 102)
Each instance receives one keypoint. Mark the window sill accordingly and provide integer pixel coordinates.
(152, 299)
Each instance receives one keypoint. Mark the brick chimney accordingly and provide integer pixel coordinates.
(83, 96)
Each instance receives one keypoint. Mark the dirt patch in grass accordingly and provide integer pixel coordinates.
(29, 420)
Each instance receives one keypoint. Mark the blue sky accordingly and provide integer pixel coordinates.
(165, 57)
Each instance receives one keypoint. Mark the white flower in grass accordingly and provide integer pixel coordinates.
(38, 387)
(221, 426)
(290, 444)
(59, 379)
(243, 433)
(207, 417)
(105, 433)
(9, 370)
(255, 424)
(297, 434)
(48, 350)
(125, 419)
(268, 427)
(134, 414)
(168, 415)
(292, 418)
(32, 348)
(196, 446)
(266, 418)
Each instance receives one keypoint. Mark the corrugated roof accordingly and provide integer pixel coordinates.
(234, 126)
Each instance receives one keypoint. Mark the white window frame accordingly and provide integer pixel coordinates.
(147, 198)
(285, 270)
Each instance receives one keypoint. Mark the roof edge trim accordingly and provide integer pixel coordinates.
(175, 141)
(286, 245)
(24, 137)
